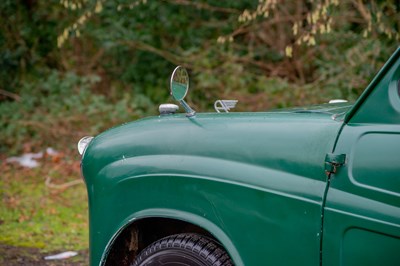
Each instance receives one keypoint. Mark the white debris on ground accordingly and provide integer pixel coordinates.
(29, 159)
(62, 256)
(50, 151)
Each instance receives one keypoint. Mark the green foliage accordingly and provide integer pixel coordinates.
(345, 73)
(28, 30)
(61, 108)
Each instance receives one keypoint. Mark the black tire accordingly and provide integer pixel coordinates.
(183, 249)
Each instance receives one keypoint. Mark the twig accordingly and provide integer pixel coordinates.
(64, 185)
(204, 6)
(10, 95)
(146, 47)
(260, 64)
(95, 59)
(361, 8)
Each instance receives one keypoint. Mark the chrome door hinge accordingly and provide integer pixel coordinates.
(333, 161)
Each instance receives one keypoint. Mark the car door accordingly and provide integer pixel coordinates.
(361, 219)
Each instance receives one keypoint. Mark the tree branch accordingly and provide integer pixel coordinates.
(10, 95)
(361, 8)
(203, 6)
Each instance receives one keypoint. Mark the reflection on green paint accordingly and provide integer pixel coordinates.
(179, 83)
(178, 90)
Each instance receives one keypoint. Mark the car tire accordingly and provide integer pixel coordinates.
(183, 249)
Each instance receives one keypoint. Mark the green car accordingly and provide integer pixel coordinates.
(308, 186)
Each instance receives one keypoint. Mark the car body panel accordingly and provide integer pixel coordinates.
(362, 212)
(274, 183)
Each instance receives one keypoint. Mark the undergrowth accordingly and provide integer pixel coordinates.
(61, 108)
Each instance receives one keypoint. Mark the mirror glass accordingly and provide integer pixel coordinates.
(179, 83)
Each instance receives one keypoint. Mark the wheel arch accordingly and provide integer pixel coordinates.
(173, 221)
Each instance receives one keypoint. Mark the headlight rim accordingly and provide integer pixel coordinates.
(83, 143)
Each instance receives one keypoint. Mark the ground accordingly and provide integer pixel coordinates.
(17, 256)
(43, 210)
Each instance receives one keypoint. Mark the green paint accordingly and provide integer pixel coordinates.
(178, 90)
(362, 216)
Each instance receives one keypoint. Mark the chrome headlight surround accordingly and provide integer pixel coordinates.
(83, 143)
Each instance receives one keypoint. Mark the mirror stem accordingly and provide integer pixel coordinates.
(189, 111)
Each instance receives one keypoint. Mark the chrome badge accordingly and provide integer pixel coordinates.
(224, 105)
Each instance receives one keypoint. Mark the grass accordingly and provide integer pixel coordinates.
(34, 214)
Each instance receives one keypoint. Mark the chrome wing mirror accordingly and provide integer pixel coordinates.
(179, 86)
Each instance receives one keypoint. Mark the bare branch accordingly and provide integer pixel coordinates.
(146, 47)
(10, 95)
(64, 185)
(204, 6)
(361, 8)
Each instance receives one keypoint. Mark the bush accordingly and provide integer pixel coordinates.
(61, 108)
